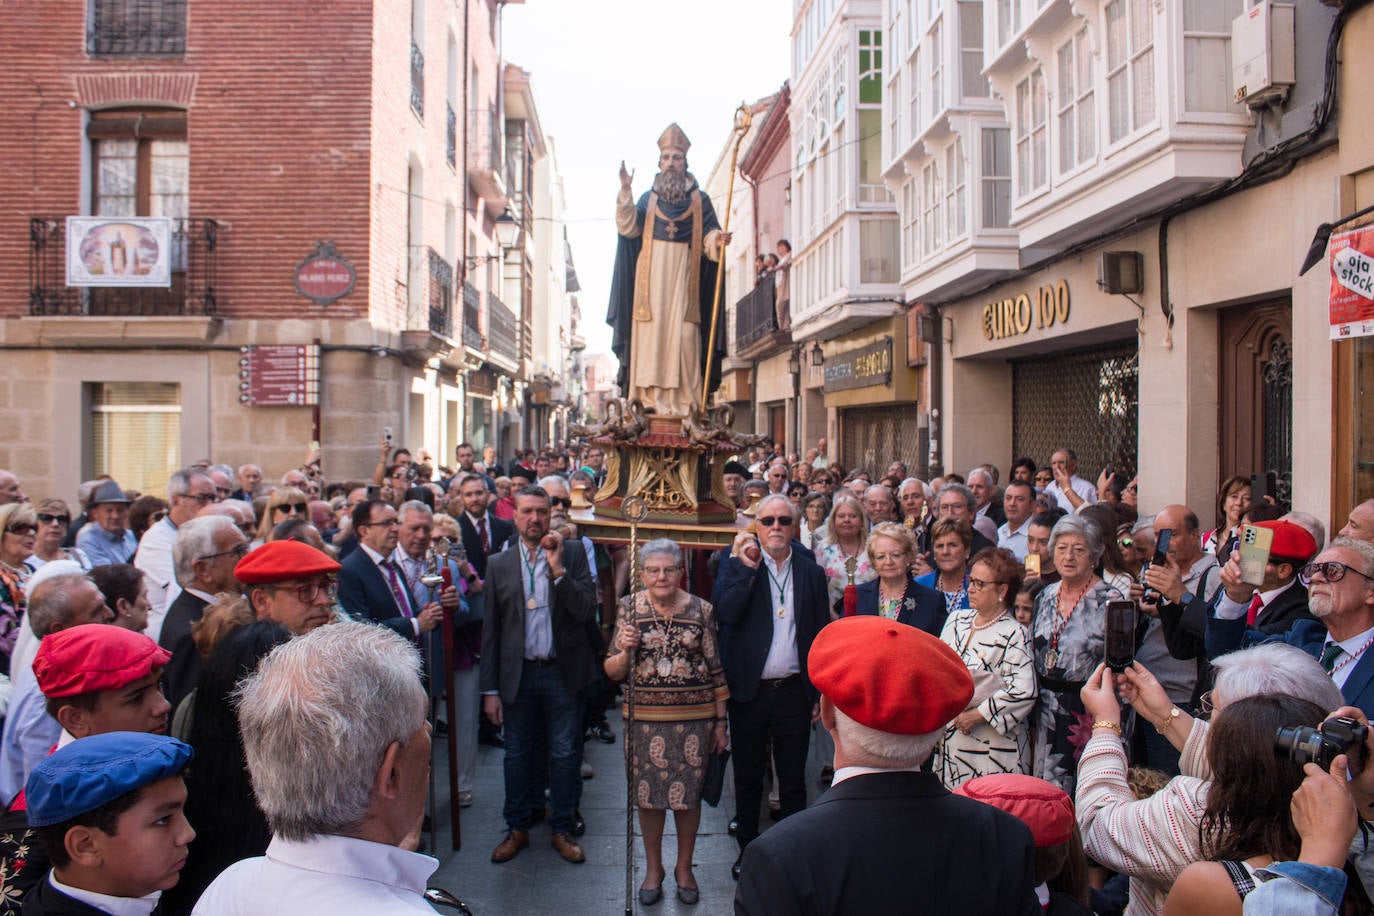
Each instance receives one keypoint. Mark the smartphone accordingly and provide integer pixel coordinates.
(1161, 556)
(386, 433)
(1033, 564)
(1119, 635)
(1254, 547)
(1262, 485)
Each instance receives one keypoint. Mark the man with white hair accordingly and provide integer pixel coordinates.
(250, 477)
(188, 491)
(9, 489)
(338, 749)
(887, 692)
(984, 490)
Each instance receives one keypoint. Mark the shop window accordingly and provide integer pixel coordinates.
(1207, 54)
(1077, 120)
(1032, 143)
(973, 84)
(135, 432)
(873, 437)
(996, 143)
(1130, 66)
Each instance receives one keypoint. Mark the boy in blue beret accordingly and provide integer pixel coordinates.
(108, 812)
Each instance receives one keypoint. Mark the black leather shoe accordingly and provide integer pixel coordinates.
(734, 869)
(734, 826)
(579, 824)
(601, 731)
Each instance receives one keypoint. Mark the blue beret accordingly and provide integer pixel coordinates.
(91, 772)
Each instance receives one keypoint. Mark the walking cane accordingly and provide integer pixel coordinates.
(634, 510)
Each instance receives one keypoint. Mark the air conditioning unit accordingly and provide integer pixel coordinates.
(1262, 54)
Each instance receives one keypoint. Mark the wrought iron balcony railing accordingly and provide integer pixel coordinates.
(440, 294)
(195, 251)
(451, 137)
(137, 27)
(472, 317)
(755, 315)
(417, 79)
(503, 329)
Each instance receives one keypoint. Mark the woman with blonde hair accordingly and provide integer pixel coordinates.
(846, 534)
(285, 503)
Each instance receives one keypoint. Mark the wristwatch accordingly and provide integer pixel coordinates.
(1185, 599)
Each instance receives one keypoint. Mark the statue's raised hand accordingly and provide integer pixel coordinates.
(625, 177)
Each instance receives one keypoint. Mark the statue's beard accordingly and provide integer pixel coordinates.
(672, 187)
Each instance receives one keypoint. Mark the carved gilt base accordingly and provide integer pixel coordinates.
(679, 483)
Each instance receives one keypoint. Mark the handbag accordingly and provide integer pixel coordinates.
(714, 783)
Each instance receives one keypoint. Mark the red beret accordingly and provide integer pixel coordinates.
(889, 676)
(277, 561)
(1044, 807)
(92, 657)
(1291, 541)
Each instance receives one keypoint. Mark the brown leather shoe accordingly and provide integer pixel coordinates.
(567, 848)
(505, 850)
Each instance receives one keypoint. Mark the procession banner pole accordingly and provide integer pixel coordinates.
(743, 118)
(635, 511)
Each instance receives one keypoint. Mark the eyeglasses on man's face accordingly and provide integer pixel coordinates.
(311, 591)
(1331, 570)
(238, 551)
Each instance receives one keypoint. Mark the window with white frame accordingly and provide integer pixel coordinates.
(1130, 66)
(894, 34)
(878, 250)
(1008, 20)
(1077, 124)
(972, 83)
(932, 206)
(996, 177)
(911, 223)
(834, 160)
(913, 23)
(956, 191)
(894, 104)
(1032, 172)
(936, 55)
(1207, 54)
(913, 72)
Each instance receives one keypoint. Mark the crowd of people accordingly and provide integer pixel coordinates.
(259, 665)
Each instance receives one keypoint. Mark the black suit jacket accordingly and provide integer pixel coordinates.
(996, 513)
(1276, 618)
(365, 593)
(892, 843)
(573, 609)
(46, 900)
(744, 613)
(927, 610)
(498, 532)
(183, 668)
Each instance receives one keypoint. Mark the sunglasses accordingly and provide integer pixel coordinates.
(775, 521)
(563, 501)
(1330, 570)
(291, 507)
(1126, 542)
(22, 528)
(54, 519)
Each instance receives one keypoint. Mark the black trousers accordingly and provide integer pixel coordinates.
(782, 713)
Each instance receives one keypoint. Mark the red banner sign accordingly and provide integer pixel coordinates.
(1351, 304)
(279, 375)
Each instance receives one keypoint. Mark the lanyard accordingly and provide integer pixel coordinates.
(530, 567)
(782, 586)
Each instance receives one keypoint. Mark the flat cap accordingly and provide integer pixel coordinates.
(108, 492)
(277, 561)
(889, 676)
(1044, 807)
(91, 772)
(92, 657)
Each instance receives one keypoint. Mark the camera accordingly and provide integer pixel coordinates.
(1325, 743)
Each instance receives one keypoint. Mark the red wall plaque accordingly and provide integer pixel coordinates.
(325, 276)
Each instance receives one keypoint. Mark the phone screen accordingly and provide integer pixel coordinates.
(1119, 635)
(1161, 556)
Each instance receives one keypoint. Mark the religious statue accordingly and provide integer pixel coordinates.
(663, 286)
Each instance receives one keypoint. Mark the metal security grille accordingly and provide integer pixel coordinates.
(873, 437)
(1085, 401)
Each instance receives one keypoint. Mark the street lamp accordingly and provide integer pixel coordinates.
(507, 229)
(794, 363)
(817, 355)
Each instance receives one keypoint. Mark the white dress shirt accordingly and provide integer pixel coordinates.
(782, 652)
(1085, 490)
(377, 560)
(1235, 610)
(1015, 541)
(115, 906)
(154, 557)
(337, 875)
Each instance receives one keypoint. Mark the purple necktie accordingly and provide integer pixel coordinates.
(482, 530)
(402, 599)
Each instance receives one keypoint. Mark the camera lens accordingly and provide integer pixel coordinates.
(1300, 744)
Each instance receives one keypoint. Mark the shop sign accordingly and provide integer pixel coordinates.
(1011, 317)
(325, 276)
(1351, 303)
(870, 365)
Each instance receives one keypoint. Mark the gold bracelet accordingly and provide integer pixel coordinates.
(1103, 723)
(1169, 721)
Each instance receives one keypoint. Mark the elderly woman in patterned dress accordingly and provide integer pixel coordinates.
(992, 735)
(669, 637)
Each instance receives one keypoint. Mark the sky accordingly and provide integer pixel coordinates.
(609, 75)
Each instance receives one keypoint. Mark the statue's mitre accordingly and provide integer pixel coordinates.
(674, 138)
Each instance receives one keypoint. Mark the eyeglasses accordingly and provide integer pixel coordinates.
(1207, 703)
(389, 523)
(290, 507)
(1331, 571)
(201, 498)
(775, 521)
(22, 528)
(563, 501)
(311, 592)
(979, 584)
(654, 572)
(239, 550)
(222, 492)
(54, 519)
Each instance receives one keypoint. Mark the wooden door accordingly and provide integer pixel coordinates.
(1255, 392)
